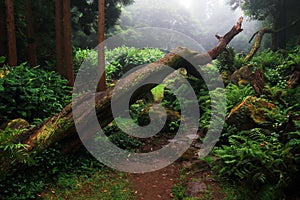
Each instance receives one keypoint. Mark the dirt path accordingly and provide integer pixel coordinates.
(155, 185)
(197, 180)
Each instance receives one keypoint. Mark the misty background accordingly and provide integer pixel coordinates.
(198, 19)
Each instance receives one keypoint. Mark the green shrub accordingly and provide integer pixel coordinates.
(229, 60)
(122, 59)
(121, 139)
(268, 59)
(82, 55)
(275, 66)
(31, 93)
(124, 141)
(118, 60)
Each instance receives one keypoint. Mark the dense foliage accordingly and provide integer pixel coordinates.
(118, 60)
(263, 162)
(260, 162)
(32, 93)
(65, 177)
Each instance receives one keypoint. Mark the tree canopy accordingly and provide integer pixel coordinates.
(276, 14)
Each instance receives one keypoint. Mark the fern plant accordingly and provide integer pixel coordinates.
(236, 94)
(258, 159)
(293, 57)
(267, 59)
(12, 152)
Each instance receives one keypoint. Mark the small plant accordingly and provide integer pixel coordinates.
(121, 139)
(124, 141)
(178, 189)
(229, 60)
(236, 94)
(294, 58)
(12, 152)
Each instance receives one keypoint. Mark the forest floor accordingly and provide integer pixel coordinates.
(188, 178)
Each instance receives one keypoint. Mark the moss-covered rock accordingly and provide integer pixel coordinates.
(251, 112)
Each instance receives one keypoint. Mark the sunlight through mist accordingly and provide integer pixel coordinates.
(198, 19)
(186, 3)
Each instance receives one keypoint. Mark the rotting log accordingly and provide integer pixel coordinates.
(61, 127)
(247, 74)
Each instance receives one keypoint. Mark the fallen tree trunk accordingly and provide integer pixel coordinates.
(60, 128)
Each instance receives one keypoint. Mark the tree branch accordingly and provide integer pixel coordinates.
(259, 36)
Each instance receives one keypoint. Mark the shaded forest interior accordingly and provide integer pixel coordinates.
(43, 45)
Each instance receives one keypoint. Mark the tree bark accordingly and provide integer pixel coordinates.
(2, 30)
(31, 48)
(11, 34)
(68, 42)
(60, 127)
(59, 38)
(101, 56)
(280, 20)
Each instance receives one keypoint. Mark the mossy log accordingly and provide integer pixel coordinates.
(61, 128)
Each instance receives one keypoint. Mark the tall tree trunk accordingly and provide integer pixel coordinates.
(30, 34)
(280, 20)
(68, 42)
(11, 35)
(59, 37)
(101, 54)
(2, 30)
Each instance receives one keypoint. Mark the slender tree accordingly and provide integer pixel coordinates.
(101, 55)
(11, 35)
(59, 37)
(68, 42)
(2, 30)
(31, 48)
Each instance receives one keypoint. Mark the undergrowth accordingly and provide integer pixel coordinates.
(263, 163)
(57, 176)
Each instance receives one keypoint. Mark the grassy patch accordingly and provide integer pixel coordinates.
(102, 184)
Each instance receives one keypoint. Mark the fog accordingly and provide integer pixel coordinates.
(198, 19)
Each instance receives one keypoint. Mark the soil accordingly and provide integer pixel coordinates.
(155, 185)
(158, 184)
